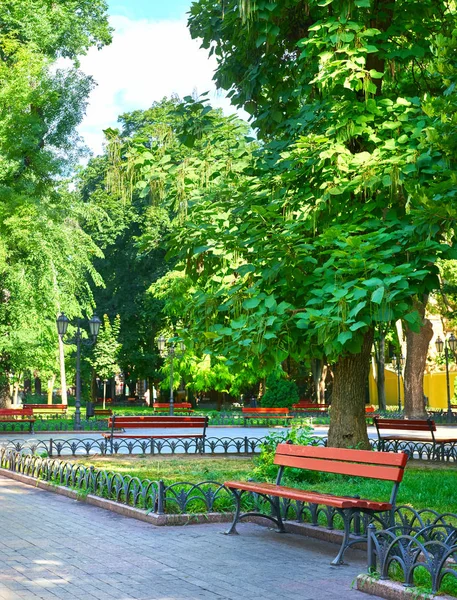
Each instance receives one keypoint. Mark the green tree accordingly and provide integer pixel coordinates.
(45, 256)
(105, 354)
(357, 201)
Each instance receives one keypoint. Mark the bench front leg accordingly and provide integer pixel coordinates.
(346, 515)
(232, 530)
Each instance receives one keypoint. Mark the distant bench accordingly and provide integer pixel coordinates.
(408, 432)
(49, 409)
(158, 422)
(103, 412)
(178, 406)
(17, 416)
(279, 414)
(303, 406)
(383, 466)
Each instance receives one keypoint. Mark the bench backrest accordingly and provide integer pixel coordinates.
(54, 407)
(175, 405)
(16, 412)
(405, 424)
(387, 466)
(146, 421)
(266, 411)
(303, 404)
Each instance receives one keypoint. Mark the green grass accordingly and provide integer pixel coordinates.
(191, 468)
(425, 485)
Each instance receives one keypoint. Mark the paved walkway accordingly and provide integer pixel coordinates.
(52, 547)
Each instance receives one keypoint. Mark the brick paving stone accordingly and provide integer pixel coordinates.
(55, 548)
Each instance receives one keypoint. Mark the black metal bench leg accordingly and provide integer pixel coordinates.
(232, 530)
(346, 515)
(276, 503)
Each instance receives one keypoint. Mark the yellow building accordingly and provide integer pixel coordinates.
(434, 389)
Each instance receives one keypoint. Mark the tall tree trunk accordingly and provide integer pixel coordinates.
(319, 371)
(63, 377)
(51, 382)
(380, 366)
(348, 428)
(5, 390)
(416, 357)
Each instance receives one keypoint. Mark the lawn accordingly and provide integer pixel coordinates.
(425, 485)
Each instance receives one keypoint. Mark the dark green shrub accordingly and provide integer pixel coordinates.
(280, 393)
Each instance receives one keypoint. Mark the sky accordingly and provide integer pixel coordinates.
(152, 56)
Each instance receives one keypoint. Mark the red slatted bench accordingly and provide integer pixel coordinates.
(178, 406)
(410, 427)
(158, 422)
(17, 415)
(385, 466)
(266, 413)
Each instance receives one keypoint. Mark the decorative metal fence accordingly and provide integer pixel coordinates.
(419, 550)
(213, 445)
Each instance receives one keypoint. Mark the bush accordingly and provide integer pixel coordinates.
(281, 393)
(265, 469)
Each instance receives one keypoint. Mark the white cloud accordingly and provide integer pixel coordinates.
(146, 61)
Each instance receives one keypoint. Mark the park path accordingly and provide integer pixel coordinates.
(55, 548)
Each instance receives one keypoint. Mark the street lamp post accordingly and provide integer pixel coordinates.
(62, 326)
(397, 362)
(449, 343)
(171, 352)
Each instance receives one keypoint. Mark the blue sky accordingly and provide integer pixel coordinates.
(149, 9)
(152, 56)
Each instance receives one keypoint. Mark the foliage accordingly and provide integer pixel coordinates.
(280, 392)
(159, 163)
(265, 469)
(45, 256)
(105, 354)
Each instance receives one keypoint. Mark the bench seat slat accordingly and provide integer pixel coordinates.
(341, 468)
(308, 496)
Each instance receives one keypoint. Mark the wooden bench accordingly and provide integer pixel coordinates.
(303, 406)
(159, 422)
(177, 406)
(411, 427)
(103, 412)
(49, 409)
(17, 415)
(281, 414)
(385, 466)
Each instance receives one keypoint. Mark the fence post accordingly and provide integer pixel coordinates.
(246, 444)
(152, 445)
(50, 447)
(371, 557)
(161, 498)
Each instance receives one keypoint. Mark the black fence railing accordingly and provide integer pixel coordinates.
(211, 445)
(419, 551)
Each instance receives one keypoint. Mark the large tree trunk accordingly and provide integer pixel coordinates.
(380, 366)
(348, 428)
(416, 357)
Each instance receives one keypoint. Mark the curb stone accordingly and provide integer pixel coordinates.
(392, 590)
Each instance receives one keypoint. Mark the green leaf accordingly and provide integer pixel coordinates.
(378, 295)
(251, 303)
(344, 337)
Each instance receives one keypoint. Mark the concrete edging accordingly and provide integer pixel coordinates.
(392, 590)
